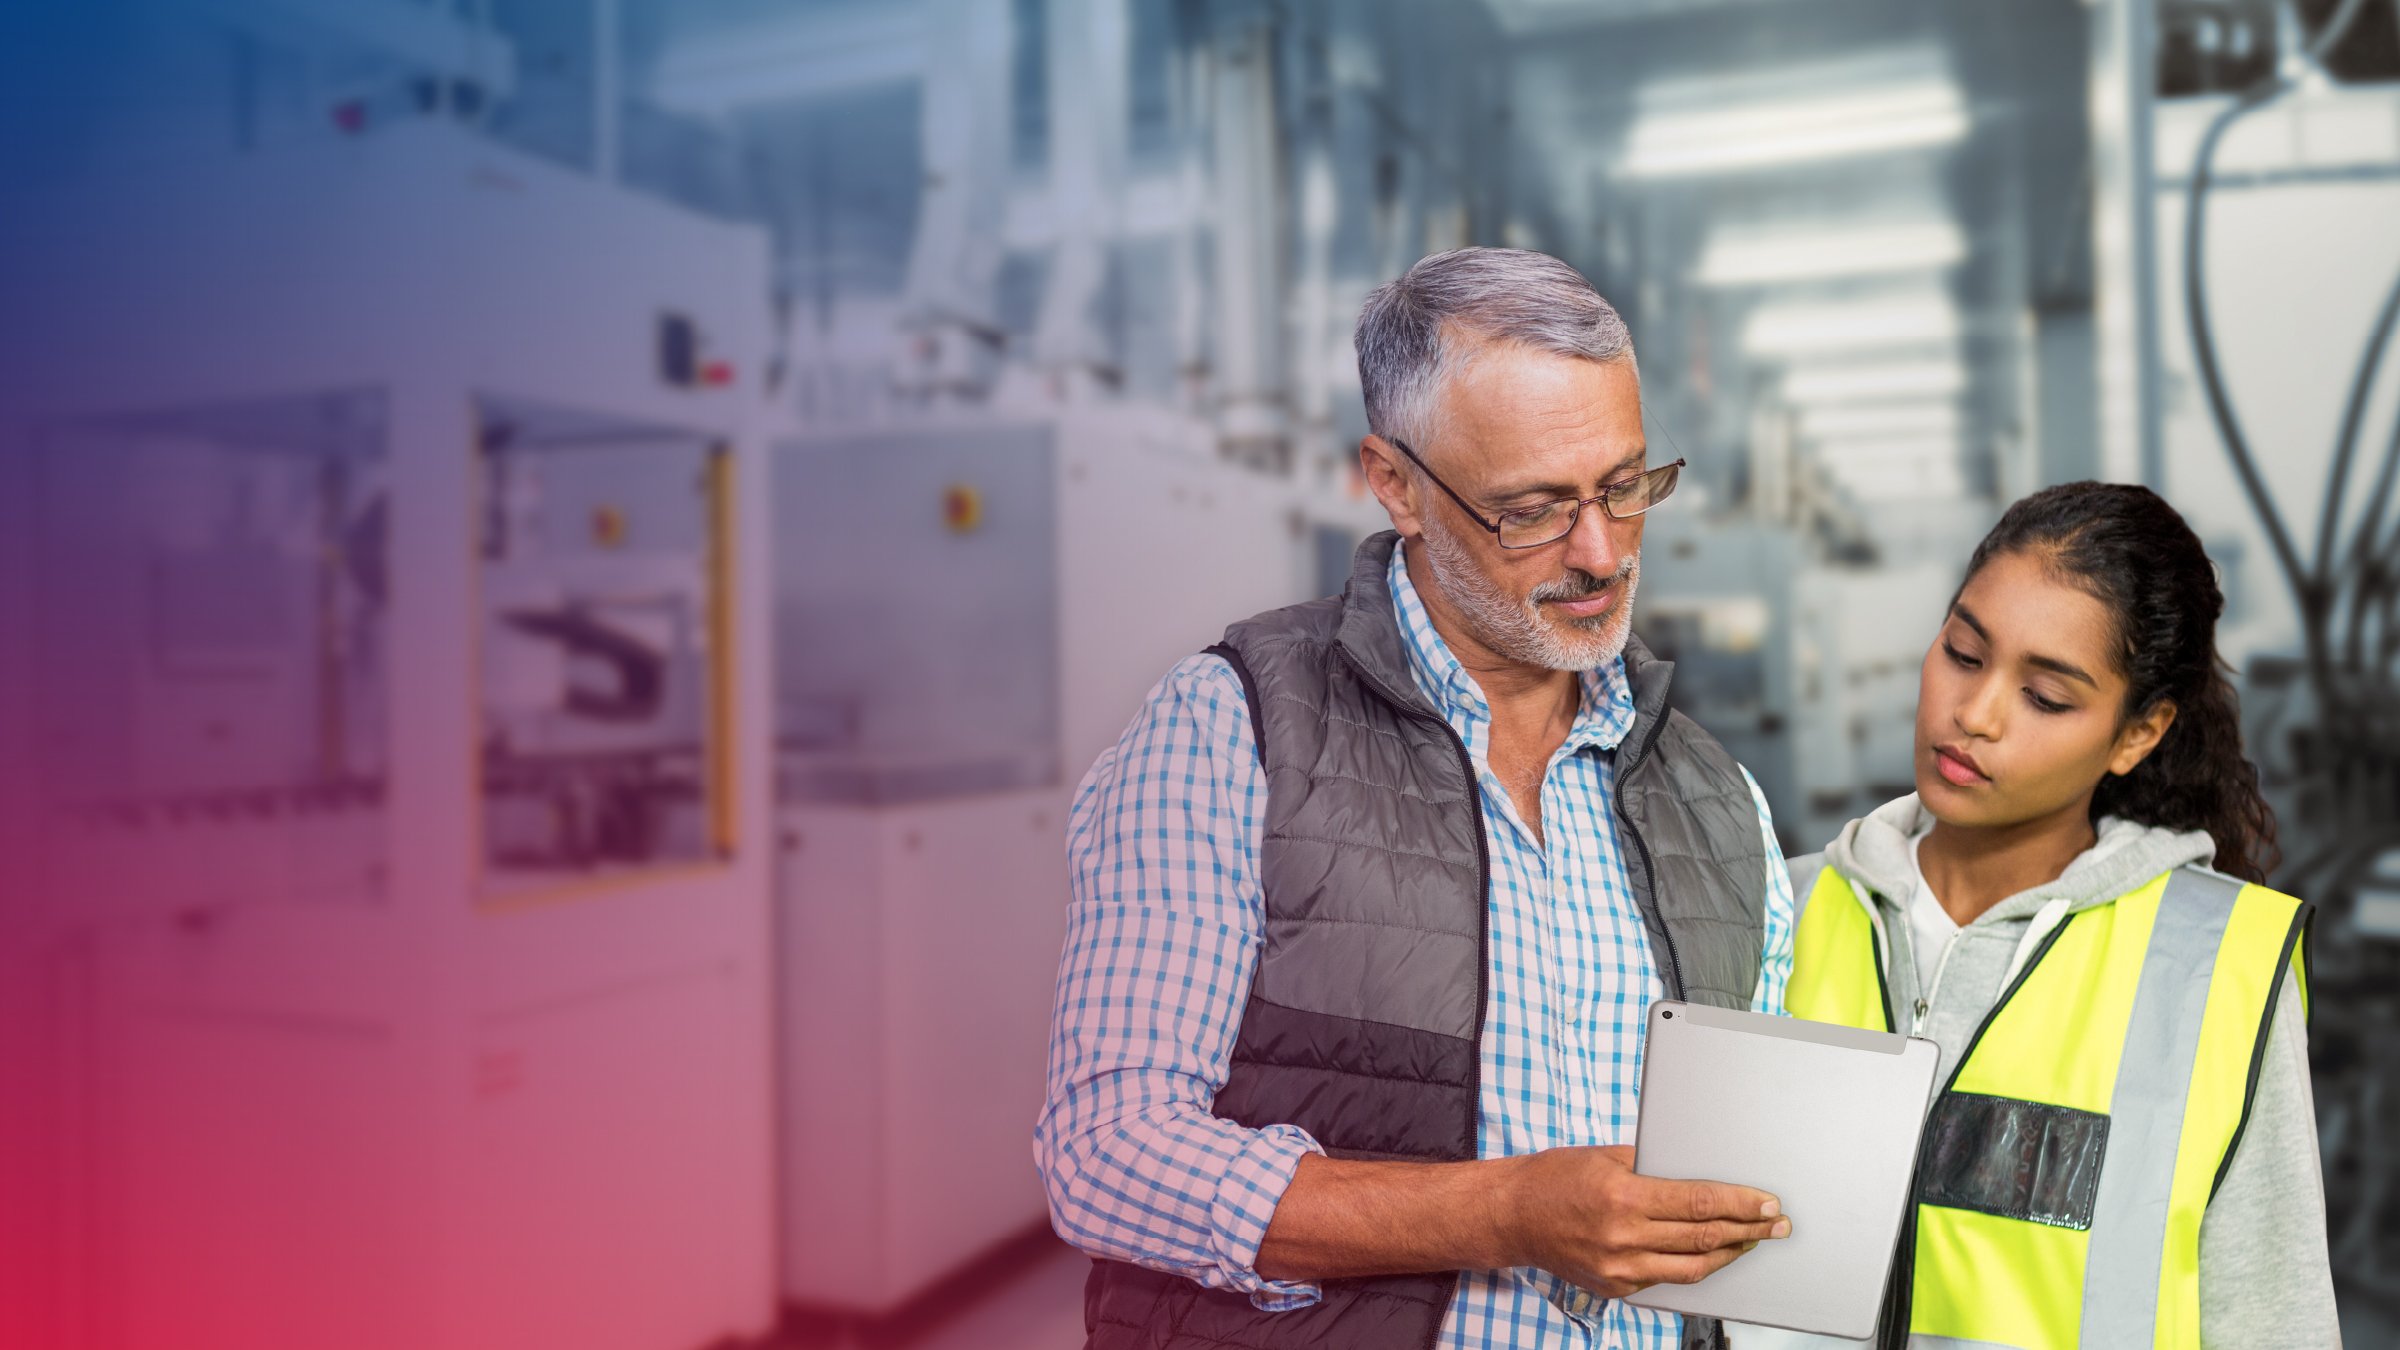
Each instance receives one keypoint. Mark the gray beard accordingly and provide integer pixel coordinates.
(1517, 629)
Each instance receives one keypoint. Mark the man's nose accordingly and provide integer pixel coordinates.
(1597, 544)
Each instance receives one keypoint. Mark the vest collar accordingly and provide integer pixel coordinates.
(1651, 677)
(1370, 628)
(1370, 635)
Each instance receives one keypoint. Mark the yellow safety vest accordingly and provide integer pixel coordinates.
(2068, 1161)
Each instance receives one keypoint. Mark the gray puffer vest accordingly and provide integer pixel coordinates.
(1365, 1016)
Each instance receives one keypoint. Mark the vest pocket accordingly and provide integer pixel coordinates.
(2015, 1159)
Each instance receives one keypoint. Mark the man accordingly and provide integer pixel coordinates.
(1371, 899)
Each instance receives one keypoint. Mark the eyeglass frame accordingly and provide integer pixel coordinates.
(1575, 505)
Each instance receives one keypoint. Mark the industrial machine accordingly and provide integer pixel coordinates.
(606, 571)
(967, 614)
(394, 949)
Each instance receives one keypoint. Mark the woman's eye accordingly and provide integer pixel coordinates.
(2046, 705)
(1961, 658)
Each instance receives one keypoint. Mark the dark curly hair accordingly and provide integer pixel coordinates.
(2128, 549)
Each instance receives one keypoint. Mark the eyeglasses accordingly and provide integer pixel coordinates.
(1550, 521)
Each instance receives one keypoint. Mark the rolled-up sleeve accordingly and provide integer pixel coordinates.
(1163, 928)
(1775, 955)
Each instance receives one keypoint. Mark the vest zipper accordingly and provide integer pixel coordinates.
(1483, 878)
(1650, 866)
(1483, 965)
(1483, 920)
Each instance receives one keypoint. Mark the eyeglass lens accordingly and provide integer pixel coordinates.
(1542, 524)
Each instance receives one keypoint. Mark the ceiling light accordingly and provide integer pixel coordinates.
(1909, 450)
(1799, 329)
(1911, 115)
(1866, 384)
(1904, 419)
(1928, 481)
(1820, 253)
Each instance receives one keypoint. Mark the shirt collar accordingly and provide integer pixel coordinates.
(1603, 718)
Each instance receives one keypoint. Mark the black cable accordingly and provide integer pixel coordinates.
(2212, 378)
(2346, 744)
(2337, 27)
(2366, 560)
(2362, 386)
(2314, 588)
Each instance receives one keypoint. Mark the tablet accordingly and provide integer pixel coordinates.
(1825, 1118)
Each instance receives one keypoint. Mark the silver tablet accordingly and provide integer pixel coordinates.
(1825, 1118)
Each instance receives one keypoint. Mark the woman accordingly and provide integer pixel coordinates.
(2123, 1151)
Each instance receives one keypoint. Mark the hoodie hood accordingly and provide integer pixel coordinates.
(1874, 851)
(1948, 1002)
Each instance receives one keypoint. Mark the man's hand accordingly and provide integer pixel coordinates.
(1582, 1214)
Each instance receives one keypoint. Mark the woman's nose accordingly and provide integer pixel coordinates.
(1980, 713)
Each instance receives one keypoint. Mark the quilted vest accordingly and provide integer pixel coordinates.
(1364, 1018)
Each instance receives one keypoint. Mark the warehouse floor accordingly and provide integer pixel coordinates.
(1026, 1296)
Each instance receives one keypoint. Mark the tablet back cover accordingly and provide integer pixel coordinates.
(1825, 1118)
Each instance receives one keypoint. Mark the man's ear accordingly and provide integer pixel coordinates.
(1387, 476)
(2140, 736)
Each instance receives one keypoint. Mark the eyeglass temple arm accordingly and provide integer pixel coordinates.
(1463, 504)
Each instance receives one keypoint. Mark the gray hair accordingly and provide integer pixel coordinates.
(1416, 332)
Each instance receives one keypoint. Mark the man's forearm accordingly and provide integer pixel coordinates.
(1580, 1213)
(1346, 1217)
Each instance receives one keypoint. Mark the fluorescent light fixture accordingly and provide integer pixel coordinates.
(1914, 485)
(795, 52)
(1817, 385)
(1921, 460)
(1821, 253)
(1902, 116)
(1883, 454)
(1903, 419)
(1795, 328)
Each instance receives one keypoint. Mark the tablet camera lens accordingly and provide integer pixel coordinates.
(1665, 1013)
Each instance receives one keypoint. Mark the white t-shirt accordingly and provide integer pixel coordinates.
(1930, 927)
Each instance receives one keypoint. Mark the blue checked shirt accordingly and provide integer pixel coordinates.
(1163, 932)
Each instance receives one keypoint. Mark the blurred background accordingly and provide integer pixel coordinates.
(560, 560)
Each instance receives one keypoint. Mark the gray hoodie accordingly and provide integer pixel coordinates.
(2264, 1276)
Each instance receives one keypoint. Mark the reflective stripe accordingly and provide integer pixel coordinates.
(1921, 1341)
(2154, 1075)
(2240, 1000)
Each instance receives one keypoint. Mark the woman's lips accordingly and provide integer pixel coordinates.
(1958, 769)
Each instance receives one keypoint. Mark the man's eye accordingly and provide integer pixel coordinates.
(1534, 515)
